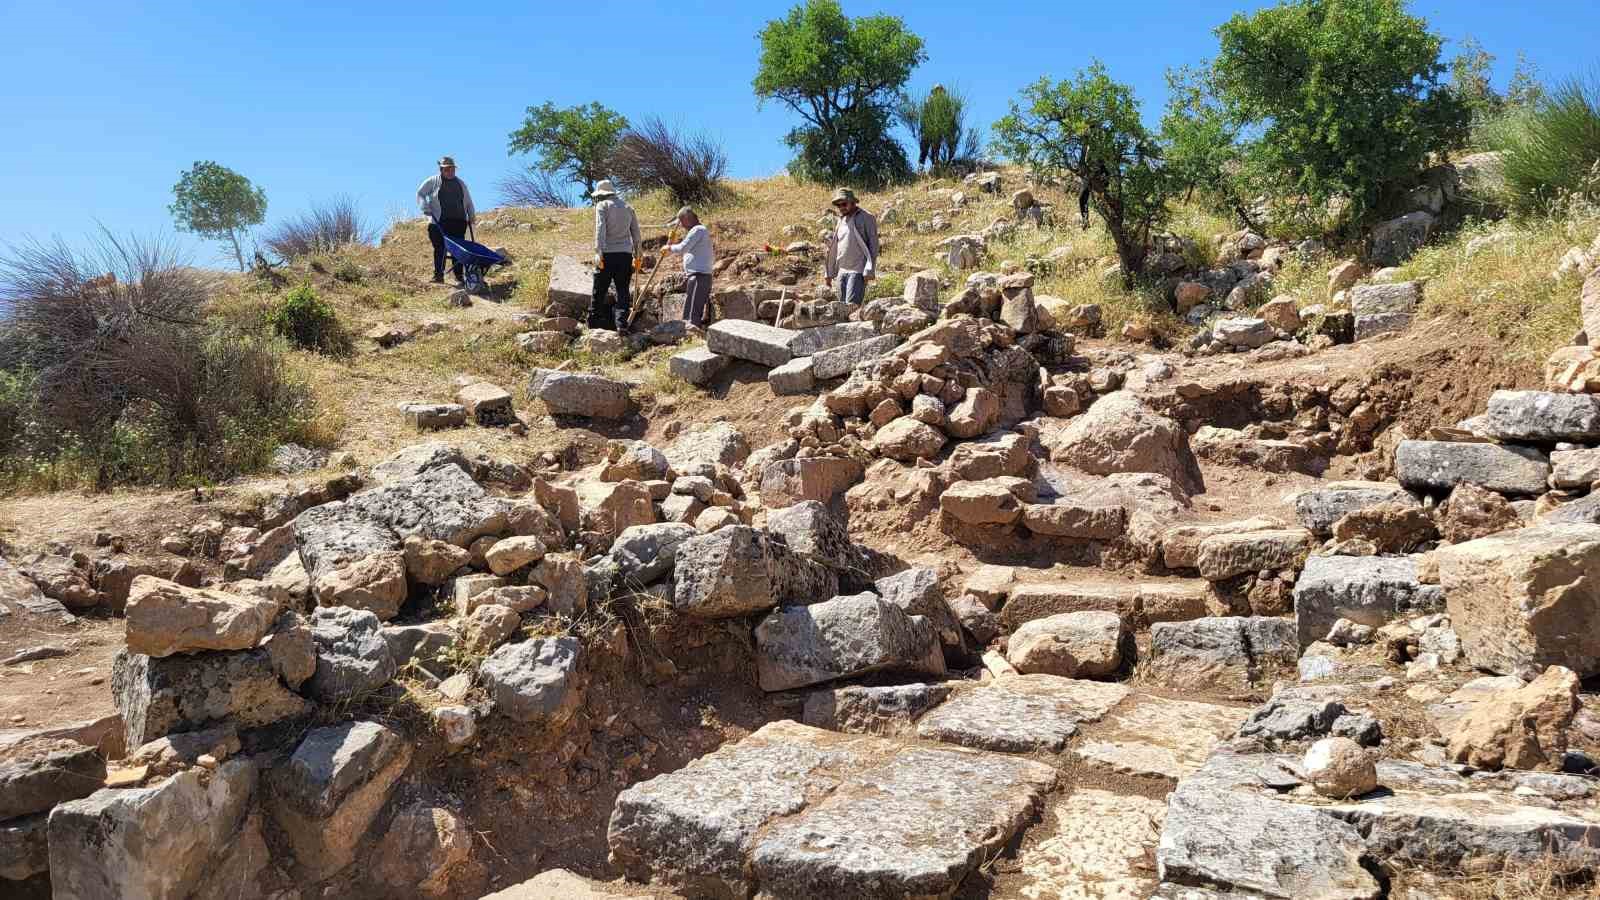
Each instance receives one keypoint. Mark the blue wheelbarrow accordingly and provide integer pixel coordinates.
(474, 259)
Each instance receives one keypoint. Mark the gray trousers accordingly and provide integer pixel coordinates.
(852, 287)
(697, 302)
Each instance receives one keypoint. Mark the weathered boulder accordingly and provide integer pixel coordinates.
(821, 478)
(919, 592)
(1395, 240)
(810, 529)
(164, 618)
(326, 795)
(992, 501)
(844, 637)
(644, 553)
(1574, 469)
(443, 504)
(512, 553)
(1073, 645)
(487, 404)
(1383, 308)
(571, 287)
(1366, 590)
(902, 819)
(580, 394)
(422, 850)
(1086, 512)
(1390, 527)
(1019, 713)
(535, 682)
(1180, 544)
(634, 461)
(1228, 653)
(1243, 333)
(187, 692)
(696, 366)
(1543, 416)
(1340, 768)
(1318, 509)
(489, 626)
(1472, 512)
(430, 562)
(610, 507)
(24, 847)
(1438, 466)
(739, 570)
(908, 440)
(40, 772)
(1520, 728)
(156, 842)
(1526, 599)
(336, 532)
(375, 583)
(353, 659)
(1120, 434)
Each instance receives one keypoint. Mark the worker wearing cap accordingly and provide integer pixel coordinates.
(616, 246)
(851, 257)
(447, 203)
(696, 250)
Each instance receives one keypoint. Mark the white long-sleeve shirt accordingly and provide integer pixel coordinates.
(696, 250)
(616, 228)
(428, 199)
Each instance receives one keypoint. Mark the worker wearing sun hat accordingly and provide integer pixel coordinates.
(447, 203)
(616, 245)
(851, 257)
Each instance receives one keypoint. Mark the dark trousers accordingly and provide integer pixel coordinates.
(456, 228)
(617, 270)
(697, 302)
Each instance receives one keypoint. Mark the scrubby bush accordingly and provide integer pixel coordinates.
(535, 188)
(1551, 148)
(688, 166)
(110, 372)
(308, 322)
(937, 121)
(324, 229)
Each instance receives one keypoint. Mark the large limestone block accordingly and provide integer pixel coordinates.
(164, 618)
(756, 342)
(39, 773)
(1228, 653)
(1120, 434)
(154, 843)
(900, 820)
(328, 792)
(1224, 556)
(1318, 509)
(580, 394)
(1526, 599)
(1019, 713)
(740, 570)
(844, 637)
(535, 681)
(159, 696)
(1438, 466)
(1367, 590)
(1087, 644)
(1543, 416)
(442, 504)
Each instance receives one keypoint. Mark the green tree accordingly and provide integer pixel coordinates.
(572, 143)
(216, 202)
(1201, 149)
(843, 77)
(937, 121)
(1470, 80)
(1345, 94)
(1089, 127)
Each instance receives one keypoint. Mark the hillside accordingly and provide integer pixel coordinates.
(1063, 577)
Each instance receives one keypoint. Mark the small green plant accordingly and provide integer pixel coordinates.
(1551, 148)
(349, 273)
(308, 322)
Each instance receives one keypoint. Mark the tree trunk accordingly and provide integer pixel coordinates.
(238, 254)
(1130, 251)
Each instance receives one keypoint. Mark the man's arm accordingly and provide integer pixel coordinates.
(869, 234)
(466, 199)
(599, 227)
(633, 231)
(424, 191)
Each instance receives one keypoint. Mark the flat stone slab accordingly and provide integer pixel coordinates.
(1438, 466)
(1157, 737)
(837, 361)
(859, 709)
(1318, 509)
(796, 811)
(1020, 713)
(1040, 600)
(1543, 416)
(1096, 847)
(826, 337)
(753, 341)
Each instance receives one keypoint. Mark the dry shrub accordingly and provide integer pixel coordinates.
(322, 230)
(654, 156)
(113, 373)
(535, 188)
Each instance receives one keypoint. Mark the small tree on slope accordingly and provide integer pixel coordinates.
(1089, 127)
(216, 202)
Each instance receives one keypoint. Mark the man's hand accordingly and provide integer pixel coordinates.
(869, 277)
(599, 262)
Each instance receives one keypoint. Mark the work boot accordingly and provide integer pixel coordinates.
(622, 321)
(438, 278)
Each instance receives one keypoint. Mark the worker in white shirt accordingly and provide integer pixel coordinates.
(696, 250)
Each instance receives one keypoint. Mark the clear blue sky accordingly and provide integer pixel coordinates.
(105, 103)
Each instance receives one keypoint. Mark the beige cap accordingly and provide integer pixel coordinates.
(844, 194)
(447, 161)
(604, 189)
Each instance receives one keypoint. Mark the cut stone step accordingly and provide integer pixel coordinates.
(1090, 845)
(1019, 713)
(795, 811)
(1157, 737)
(753, 341)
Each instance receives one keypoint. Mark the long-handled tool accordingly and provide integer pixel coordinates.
(639, 296)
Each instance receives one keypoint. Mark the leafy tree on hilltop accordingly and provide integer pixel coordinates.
(216, 202)
(1089, 127)
(1345, 95)
(842, 76)
(572, 143)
